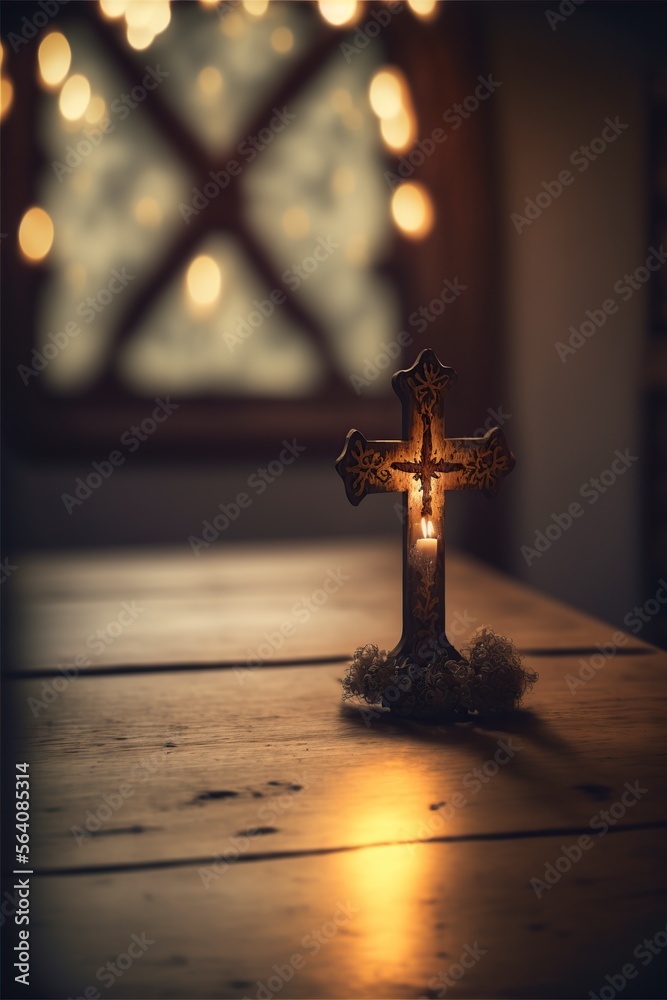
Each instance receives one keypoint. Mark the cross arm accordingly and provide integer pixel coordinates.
(484, 462)
(369, 466)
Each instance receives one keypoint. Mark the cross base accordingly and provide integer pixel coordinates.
(488, 678)
(421, 654)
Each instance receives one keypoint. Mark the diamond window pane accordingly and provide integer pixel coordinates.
(294, 240)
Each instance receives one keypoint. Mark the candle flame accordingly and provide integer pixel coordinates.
(427, 528)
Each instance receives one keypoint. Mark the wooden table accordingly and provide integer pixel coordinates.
(259, 839)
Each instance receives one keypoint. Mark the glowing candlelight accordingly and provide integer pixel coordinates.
(423, 467)
(427, 546)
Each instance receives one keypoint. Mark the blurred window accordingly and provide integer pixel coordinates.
(218, 222)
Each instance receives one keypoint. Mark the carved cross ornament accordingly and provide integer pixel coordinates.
(423, 466)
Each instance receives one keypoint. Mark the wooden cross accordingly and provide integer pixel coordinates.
(423, 466)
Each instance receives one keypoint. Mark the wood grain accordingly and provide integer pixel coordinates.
(364, 778)
(220, 607)
(391, 922)
(259, 784)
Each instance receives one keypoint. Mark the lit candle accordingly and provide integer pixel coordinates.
(428, 545)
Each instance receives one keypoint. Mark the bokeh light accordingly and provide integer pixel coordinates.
(386, 93)
(338, 12)
(74, 97)
(148, 212)
(6, 96)
(390, 99)
(54, 57)
(160, 18)
(412, 210)
(209, 81)
(257, 8)
(399, 133)
(138, 13)
(36, 233)
(296, 222)
(113, 8)
(140, 36)
(282, 40)
(203, 281)
(423, 8)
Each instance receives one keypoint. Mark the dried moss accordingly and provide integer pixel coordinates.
(490, 678)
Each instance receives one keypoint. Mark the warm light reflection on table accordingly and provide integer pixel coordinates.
(386, 884)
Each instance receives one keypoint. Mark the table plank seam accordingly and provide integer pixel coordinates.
(566, 831)
(313, 661)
